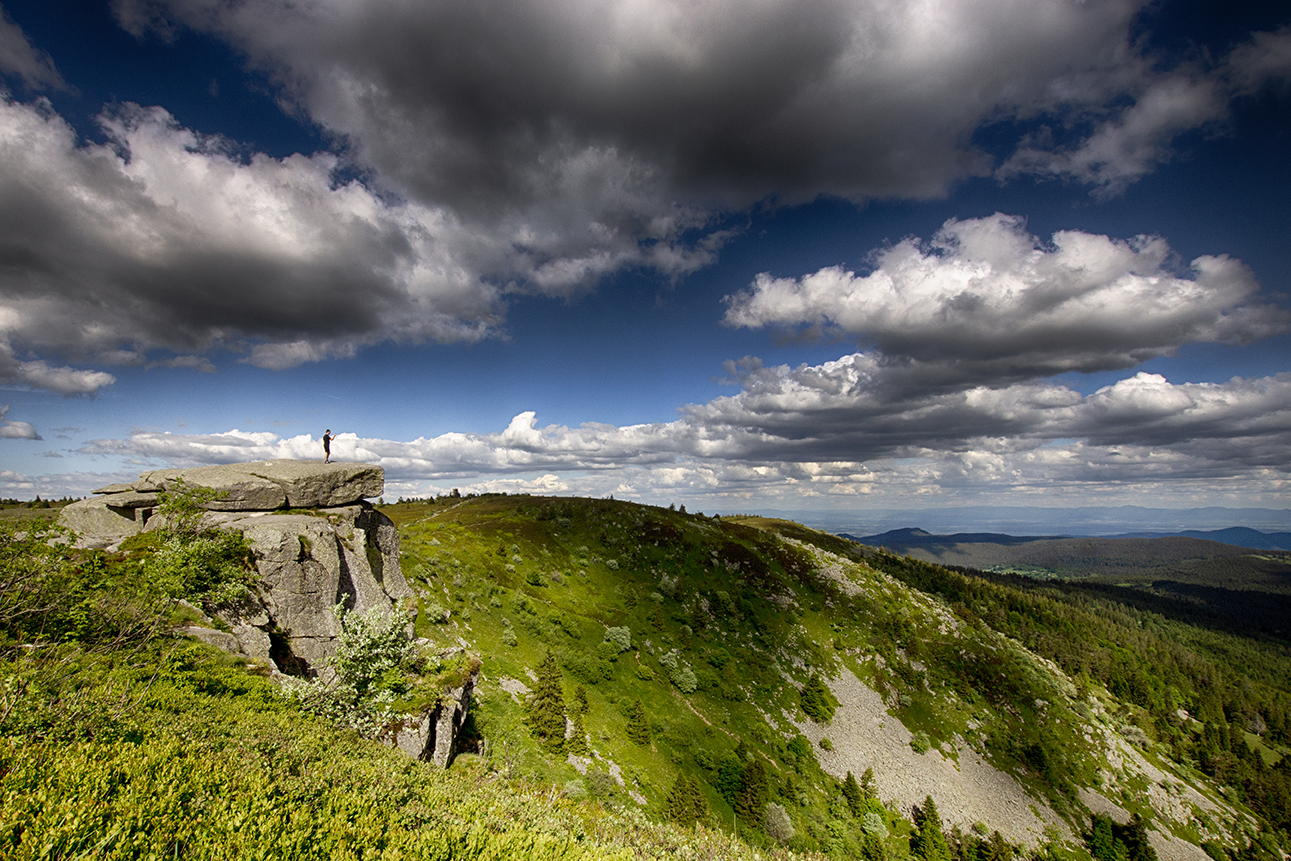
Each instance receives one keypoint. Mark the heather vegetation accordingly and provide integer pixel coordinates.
(654, 684)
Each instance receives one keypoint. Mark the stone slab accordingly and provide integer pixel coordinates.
(129, 499)
(268, 484)
(93, 519)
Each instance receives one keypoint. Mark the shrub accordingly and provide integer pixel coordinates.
(371, 652)
(591, 669)
(188, 565)
(620, 637)
(778, 825)
(817, 701)
(182, 505)
(684, 679)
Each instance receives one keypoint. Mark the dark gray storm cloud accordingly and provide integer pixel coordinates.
(538, 146)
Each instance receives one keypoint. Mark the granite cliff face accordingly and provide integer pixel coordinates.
(328, 546)
(317, 542)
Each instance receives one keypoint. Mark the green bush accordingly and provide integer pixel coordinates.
(817, 700)
(684, 679)
(369, 667)
(620, 637)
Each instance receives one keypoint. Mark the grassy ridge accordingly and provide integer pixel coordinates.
(687, 652)
(753, 618)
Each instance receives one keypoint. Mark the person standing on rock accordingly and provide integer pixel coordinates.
(327, 446)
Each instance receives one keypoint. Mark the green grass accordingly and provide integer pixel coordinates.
(741, 603)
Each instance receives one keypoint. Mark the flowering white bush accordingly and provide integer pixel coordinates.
(371, 654)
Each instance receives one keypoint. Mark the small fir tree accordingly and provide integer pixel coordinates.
(685, 804)
(638, 724)
(930, 842)
(867, 784)
(817, 701)
(750, 804)
(580, 700)
(546, 705)
(730, 775)
(577, 741)
(852, 792)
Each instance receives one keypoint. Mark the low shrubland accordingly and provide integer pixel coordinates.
(649, 683)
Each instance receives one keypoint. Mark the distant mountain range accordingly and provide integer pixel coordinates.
(1237, 578)
(1238, 536)
(905, 540)
(1106, 521)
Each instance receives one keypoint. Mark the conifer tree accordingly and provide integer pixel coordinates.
(930, 842)
(730, 775)
(852, 792)
(685, 804)
(638, 724)
(580, 699)
(751, 803)
(546, 705)
(867, 784)
(817, 701)
(577, 742)
(1102, 842)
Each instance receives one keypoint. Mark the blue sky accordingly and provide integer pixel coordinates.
(845, 257)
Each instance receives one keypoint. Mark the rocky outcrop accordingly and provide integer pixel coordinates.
(329, 547)
(307, 565)
(121, 510)
(433, 736)
(317, 543)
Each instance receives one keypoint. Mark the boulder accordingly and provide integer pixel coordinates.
(97, 524)
(308, 564)
(269, 484)
(433, 736)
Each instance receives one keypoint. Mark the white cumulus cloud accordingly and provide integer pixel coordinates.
(986, 302)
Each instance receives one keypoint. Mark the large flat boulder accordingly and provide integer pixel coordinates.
(269, 484)
(98, 524)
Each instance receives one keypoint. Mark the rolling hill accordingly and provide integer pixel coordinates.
(764, 685)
